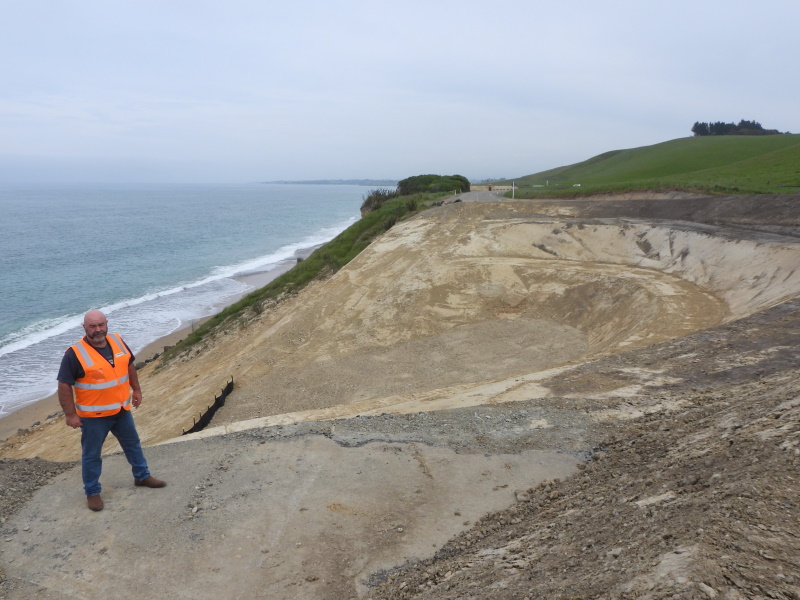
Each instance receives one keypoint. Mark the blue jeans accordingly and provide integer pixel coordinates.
(94, 432)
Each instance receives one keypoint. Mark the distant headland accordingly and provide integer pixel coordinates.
(391, 182)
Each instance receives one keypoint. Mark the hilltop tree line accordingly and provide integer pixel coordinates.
(432, 184)
(742, 128)
(418, 184)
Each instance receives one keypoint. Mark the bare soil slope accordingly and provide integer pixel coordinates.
(477, 292)
(656, 335)
(693, 495)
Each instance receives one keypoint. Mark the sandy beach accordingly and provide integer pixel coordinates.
(48, 408)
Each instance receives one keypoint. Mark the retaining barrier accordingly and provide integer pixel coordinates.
(205, 418)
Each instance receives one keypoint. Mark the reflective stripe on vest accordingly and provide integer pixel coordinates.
(102, 386)
(87, 358)
(115, 407)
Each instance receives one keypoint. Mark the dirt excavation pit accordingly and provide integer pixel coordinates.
(461, 296)
(484, 292)
(465, 356)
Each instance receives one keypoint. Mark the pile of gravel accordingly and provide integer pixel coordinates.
(20, 478)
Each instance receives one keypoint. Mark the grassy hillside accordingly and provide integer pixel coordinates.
(745, 164)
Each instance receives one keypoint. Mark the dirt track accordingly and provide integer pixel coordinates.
(663, 331)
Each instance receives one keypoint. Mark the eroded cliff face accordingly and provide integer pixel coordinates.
(555, 399)
(464, 297)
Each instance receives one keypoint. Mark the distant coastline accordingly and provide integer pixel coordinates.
(391, 182)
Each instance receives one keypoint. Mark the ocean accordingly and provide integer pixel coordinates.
(153, 258)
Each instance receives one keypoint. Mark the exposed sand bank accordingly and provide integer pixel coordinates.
(456, 301)
(494, 347)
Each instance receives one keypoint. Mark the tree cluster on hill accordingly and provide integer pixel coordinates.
(742, 128)
(432, 183)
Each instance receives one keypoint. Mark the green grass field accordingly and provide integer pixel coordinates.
(716, 164)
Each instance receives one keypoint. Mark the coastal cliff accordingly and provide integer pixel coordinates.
(658, 343)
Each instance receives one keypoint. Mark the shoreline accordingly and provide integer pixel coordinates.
(48, 408)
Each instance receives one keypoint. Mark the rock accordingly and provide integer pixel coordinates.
(707, 590)
(690, 479)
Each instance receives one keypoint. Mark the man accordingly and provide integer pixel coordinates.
(94, 389)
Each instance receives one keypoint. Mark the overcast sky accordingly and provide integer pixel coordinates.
(255, 90)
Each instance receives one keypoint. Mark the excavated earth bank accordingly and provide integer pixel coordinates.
(595, 398)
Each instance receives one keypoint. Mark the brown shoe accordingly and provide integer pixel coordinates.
(95, 502)
(151, 482)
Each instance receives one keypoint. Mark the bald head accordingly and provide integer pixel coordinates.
(96, 328)
(93, 316)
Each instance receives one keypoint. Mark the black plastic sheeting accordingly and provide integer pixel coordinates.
(205, 418)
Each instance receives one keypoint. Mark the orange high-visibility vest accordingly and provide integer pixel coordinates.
(103, 389)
